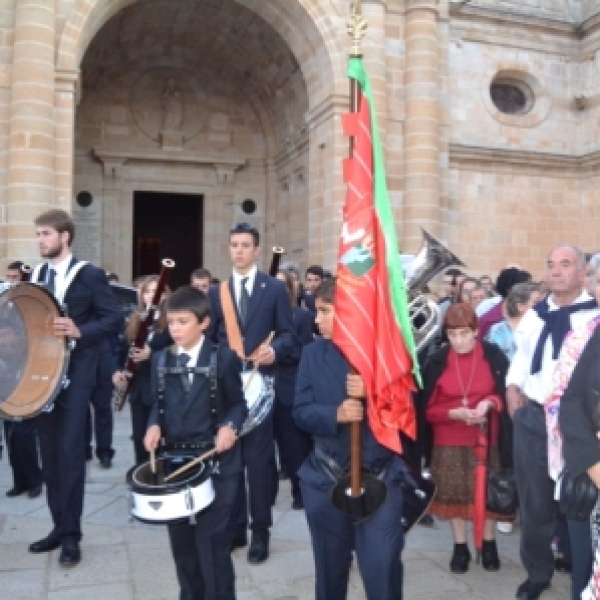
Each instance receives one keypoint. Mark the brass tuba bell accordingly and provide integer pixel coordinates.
(432, 259)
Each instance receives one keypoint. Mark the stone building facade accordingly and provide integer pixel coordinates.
(108, 105)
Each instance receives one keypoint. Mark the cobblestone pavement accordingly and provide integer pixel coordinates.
(125, 560)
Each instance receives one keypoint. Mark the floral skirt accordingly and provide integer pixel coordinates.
(453, 472)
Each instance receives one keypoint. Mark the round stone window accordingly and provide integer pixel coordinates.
(511, 96)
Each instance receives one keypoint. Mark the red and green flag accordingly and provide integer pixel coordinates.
(372, 325)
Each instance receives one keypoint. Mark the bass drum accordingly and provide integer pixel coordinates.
(33, 361)
(157, 502)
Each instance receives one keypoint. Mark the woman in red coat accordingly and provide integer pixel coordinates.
(464, 386)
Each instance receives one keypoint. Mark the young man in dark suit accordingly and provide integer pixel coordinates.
(326, 402)
(188, 425)
(262, 307)
(93, 315)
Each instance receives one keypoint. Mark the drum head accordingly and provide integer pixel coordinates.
(252, 383)
(143, 479)
(33, 361)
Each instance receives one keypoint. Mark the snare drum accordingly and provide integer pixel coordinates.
(33, 361)
(157, 502)
(259, 393)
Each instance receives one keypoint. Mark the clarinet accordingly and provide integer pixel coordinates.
(120, 395)
(278, 252)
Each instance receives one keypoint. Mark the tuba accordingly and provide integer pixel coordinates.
(432, 259)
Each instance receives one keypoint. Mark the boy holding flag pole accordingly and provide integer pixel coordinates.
(366, 354)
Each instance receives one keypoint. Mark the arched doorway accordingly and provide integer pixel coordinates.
(203, 98)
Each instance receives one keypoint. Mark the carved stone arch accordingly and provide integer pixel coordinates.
(304, 24)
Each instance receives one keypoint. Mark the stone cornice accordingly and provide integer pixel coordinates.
(487, 14)
(331, 106)
(476, 158)
(115, 160)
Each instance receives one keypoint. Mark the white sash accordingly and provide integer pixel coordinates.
(59, 291)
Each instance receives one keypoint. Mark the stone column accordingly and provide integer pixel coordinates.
(421, 158)
(65, 100)
(31, 141)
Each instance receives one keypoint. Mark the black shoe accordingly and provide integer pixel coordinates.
(489, 556)
(297, 504)
(283, 474)
(15, 491)
(426, 521)
(70, 555)
(105, 462)
(89, 454)
(531, 591)
(459, 563)
(259, 547)
(52, 542)
(34, 492)
(561, 564)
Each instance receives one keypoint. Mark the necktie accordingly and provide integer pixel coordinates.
(183, 360)
(244, 300)
(51, 280)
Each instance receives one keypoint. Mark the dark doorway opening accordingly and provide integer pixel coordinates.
(167, 225)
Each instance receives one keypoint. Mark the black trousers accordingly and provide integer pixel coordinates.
(293, 443)
(378, 543)
(536, 492)
(582, 558)
(258, 458)
(102, 404)
(139, 425)
(21, 437)
(202, 552)
(62, 436)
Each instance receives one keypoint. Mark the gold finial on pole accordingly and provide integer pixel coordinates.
(356, 27)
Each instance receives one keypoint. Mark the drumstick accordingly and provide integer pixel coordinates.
(191, 464)
(267, 342)
(153, 462)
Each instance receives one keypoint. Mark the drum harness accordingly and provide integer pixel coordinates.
(211, 373)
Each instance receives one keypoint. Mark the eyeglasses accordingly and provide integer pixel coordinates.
(243, 228)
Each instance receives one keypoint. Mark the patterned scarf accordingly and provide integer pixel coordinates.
(572, 348)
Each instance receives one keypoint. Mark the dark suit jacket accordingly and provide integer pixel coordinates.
(580, 411)
(93, 307)
(269, 310)
(188, 418)
(287, 368)
(320, 389)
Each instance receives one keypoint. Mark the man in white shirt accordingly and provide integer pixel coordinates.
(529, 382)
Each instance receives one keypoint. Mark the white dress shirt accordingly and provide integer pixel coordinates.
(193, 353)
(61, 276)
(237, 283)
(538, 386)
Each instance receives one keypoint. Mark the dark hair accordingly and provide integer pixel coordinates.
(16, 265)
(453, 272)
(316, 270)
(459, 316)
(246, 228)
(327, 274)
(59, 220)
(112, 276)
(289, 285)
(187, 298)
(509, 277)
(201, 274)
(215, 281)
(326, 290)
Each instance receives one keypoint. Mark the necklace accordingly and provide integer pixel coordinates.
(463, 391)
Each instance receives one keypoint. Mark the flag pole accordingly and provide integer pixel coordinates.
(356, 30)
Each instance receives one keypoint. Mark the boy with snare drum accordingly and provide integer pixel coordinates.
(188, 418)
